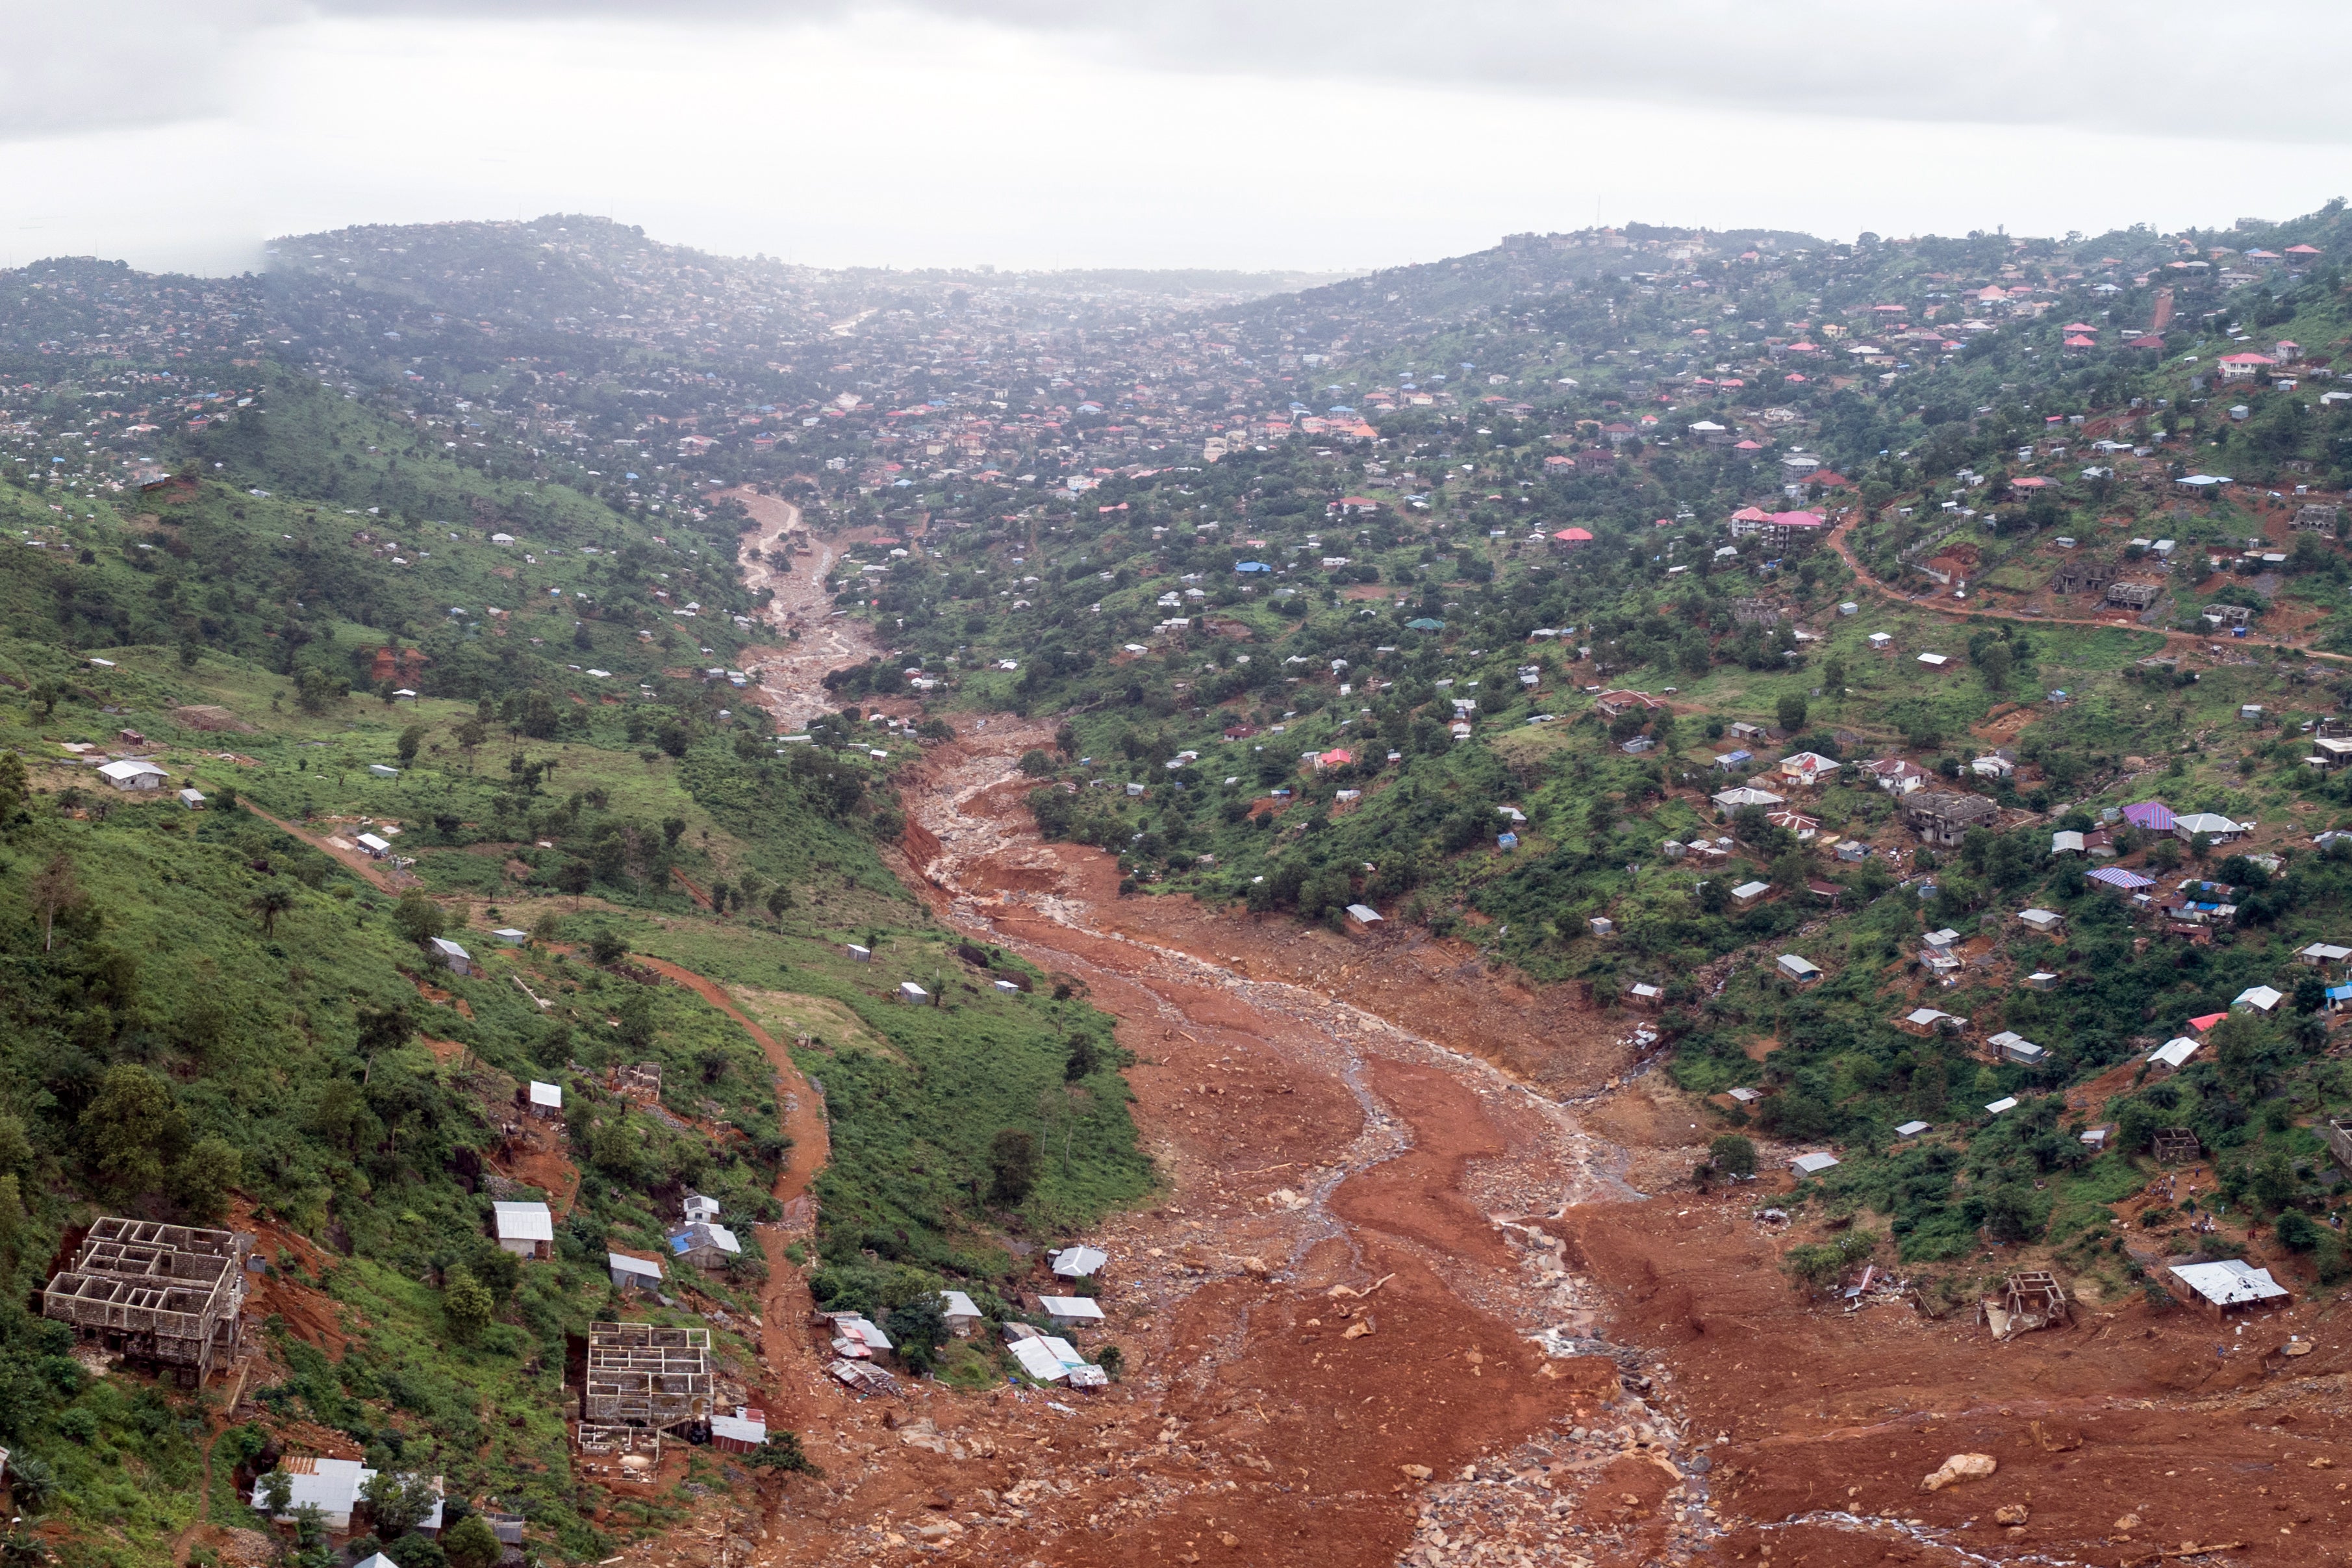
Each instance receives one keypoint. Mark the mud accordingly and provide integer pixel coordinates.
(1427, 1283)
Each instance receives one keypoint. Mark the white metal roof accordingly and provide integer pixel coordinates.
(2174, 1052)
(1812, 1164)
(2205, 821)
(448, 949)
(1751, 890)
(547, 1094)
(2005, 1102)
(621, 1263)
(1038, 1360)
(1082, 1307)
(1911, 1129)
(2327, 951)
(2229, 1282)
(2261, 997)
(1364, 912)
(956, 1304)
(717, 1236)
(132, 768)
(1796, 965)
(738, 1428)
(374, 845)
(1077, 1262)
(524, 1222)
(1923, 1017)
(331, 1486)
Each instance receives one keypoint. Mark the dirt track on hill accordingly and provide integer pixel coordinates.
(1400, 1302)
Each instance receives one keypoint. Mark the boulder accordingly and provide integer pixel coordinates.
(1961, 1468)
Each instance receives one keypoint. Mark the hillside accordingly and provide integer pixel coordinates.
(1138, 634)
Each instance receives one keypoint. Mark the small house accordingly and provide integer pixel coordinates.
(2230, 1285)
(460, 960)
(964, 1319)
(630, 1272)
(334, 1486)
(382, 771)
(859, 955)
(913, 995)
(1747, 1099)
(1071, 1311)
(2323, 952)
(2065, 841)
(1881, 642)
(1644, 996)
(745, 1432)
(1813, 1164)
(511, 936)
(1936, 661)
(527, 1230)
(706, 1246)
(1802, 971)
(699, 1208)
(128, 774)
(2256, 999)
(2041, 980)
(1911, 1129)
(376, 849)
(2217, 829)
(2005, 1102)
(2047, 921)
(1601, 925)
(1809, 768)
(1364, 915)
(2015, 1047)
(2174, 1054)
(1747, 895)
(192, 799)
(546, 1099)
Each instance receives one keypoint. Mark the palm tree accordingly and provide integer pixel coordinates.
(269, 903)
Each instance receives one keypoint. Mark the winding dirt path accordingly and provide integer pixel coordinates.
(2175, 640)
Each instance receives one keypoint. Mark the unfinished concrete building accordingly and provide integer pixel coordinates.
(644, 1376)
(2175, 1146)
(171, 1295)
(641, 1082)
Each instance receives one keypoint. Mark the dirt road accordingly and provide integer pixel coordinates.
(2176, 642)
(792, 676)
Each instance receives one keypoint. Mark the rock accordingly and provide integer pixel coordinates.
(2321, 1463)
(1229, 1540)
(1357, 1330)
(2129, 1522)
(1415, 1472)
(940, 1530)
(2014, 1513)
(1961, 1468)
(1256, 1267)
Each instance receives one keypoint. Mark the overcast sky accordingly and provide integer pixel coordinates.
(1143, 132)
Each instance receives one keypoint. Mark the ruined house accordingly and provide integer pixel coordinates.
(170, 1295)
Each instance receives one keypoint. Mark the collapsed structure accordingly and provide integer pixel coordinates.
(171, 1295)
(646, 1377)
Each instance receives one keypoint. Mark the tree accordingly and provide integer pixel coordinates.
(410, 740)
(783, 1451)
(673, 829)
(2296, 1232)
(1790, 711)
(607, 947)
(201, 1183)
(1012, 1165)
(1733, 1155)
(55, 890)
(920, 1324)
(277, 1492)
(269, 903)
(469, 737)
(134, 1129)
(1994, 664)
(417, 918)
(399, 1503)
(14, 789)
(471, 1543)
(466, 1303)
(573, 877)
(1035, 763)
(384, 1028)
(779, 899)
(1082, 1060)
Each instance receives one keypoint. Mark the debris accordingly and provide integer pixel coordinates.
(1961, 1468)
(2012, 1513)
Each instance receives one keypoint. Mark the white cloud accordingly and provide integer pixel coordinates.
(913, 138)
